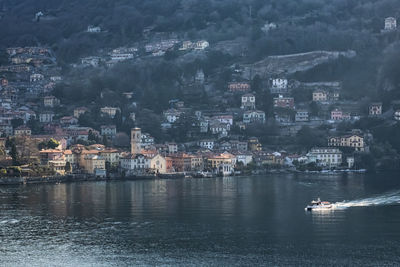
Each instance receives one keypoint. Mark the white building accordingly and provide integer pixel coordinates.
(93, 29)
(223, 119)
(244, 158)
(248, 102)
(46, 117)
(220, 128)
(301, 115)
(397, 115)
(254, 116)
(328, 157)
(50, 101)
(36, 77)
(110, 111)
(172, 115)
(268, 26)
(201, 45)
(134, 164)
(146, 140)
(278, 86)
(375, 109)
(204, 126)
(118, 57)
(390, 24)
(209, 144)
(199, 77)
(91, 61)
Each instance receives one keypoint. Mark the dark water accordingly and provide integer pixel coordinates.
(225, 221)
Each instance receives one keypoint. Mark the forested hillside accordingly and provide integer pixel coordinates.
(244, 35)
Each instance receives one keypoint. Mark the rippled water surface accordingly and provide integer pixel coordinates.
(225, 221)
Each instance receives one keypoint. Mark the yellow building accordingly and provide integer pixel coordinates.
(91, 163)
(58, 166)
(352, 141)
(79, 111)
(215, 161)
(254, 144)
(70, 157)
(222, 164)
(111, 155)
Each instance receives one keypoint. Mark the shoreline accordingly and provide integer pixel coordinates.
(88, 178)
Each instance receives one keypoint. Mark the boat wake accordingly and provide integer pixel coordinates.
(390, 198)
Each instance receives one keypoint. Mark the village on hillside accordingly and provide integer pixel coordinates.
(251, 124)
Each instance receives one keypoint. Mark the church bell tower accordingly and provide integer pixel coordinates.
(136, 139)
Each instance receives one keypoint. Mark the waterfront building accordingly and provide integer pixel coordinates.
(327, 157)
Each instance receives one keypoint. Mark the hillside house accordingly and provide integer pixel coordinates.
(239, 145)
(282, 117)
(375, 109)
(302, 116)
(119, 57)
(55, 78)
(110, 111)
(79, 111)
(36, 77)
(68, 120)
(397, 115)
(338, 115)
(324, 96)
(199, 76)
(109, 131)
(201, 45)
(278, 86)
(3, 82)
(284, 102)
(46, 117)
(172, 148)
(93, 29)
(90, 61)
(351, 141)
(254, 144)
(22, 131)
(220, 128)
(209, 144)
(50, 101)
(223, 119)
(6, 129)
(172, 115)
(239, 87)
(147, 140)
(320, 96)
(253, 116)
(390, 24)
(248, 102)
(225, 146)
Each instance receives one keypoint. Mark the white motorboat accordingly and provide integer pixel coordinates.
(319, 205)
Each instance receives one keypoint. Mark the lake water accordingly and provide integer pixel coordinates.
(183, 222)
